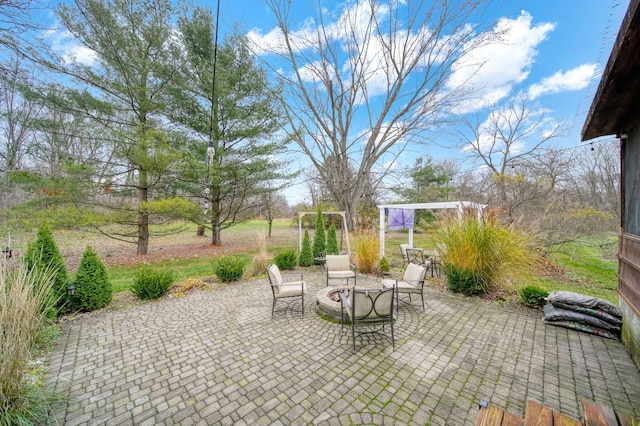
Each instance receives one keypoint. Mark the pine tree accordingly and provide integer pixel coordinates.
(93, 289)
(332, 240)
(306, 255)
(43, 253)
(319, 238)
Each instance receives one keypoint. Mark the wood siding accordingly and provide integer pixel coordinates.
(629, 271)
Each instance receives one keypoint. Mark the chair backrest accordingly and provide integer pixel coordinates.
(275, 277)
(403, 251)
(337, 262)
(414, 274)
(415, 256)
(371, 304)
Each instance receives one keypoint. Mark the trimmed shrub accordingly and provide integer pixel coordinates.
(332, 240)
(463, 281)
(43, 254)
(287, 259)
(93, 289)
(151, 284)
(228, 269)
(533, 296)
(319, 238)
(306, 255)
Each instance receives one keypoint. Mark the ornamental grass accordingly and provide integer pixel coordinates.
(480, 253)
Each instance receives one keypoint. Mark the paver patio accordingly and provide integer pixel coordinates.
(217, 357)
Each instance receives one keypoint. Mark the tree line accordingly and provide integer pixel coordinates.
(147, 118)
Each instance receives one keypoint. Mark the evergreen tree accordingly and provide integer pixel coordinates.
(93, 289)
(306, 255)
(332, 240)
(43, 253)
(319, 238)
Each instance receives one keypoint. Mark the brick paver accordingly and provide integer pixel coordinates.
(217, 357)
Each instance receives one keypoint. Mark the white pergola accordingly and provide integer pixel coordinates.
(459, 205)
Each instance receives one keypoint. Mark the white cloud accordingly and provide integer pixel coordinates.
(63, 43)
(574, 79)
(502, 60)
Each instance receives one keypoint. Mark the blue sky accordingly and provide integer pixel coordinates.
(555, 54)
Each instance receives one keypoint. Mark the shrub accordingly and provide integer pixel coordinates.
(367, 251)
(306, 255)
(93, 289)
(43, 253)
(383, 265)
(463, 281)
(25, 297)
(478, 254)
(533, 296)
(287, 259)
(151, 284)
(228, 269)
(332, 240)
(319, 238)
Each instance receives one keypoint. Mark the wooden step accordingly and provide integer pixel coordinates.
(538, 415)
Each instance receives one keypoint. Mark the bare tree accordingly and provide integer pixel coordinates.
(597, 176)
(17, 117)
(364, 87)
(503, 144)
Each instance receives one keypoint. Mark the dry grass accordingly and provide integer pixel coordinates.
(367, 251)
(24, 300)
(482, 254)
(260, 259)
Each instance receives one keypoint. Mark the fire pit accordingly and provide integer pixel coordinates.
(328, 302)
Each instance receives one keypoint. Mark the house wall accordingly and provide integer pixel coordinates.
(629, 252)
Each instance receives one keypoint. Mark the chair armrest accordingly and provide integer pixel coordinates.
(288, 283)
(291, 275)
(344, 299)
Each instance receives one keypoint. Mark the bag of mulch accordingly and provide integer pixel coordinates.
(584, 328)
(552, 314)
(604, 316)
(581, 300)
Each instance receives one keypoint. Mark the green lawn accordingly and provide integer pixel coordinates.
(587, 267)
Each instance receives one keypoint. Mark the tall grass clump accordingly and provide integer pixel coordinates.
(480, 253)
(367, 250)
(25, 298)
(260, 259)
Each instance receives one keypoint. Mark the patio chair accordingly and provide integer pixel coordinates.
(285, 290)
(338, 266)
(416, 255)
(411, 283)
(403, 252)
(369, 309)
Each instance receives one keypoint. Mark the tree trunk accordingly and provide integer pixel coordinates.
(143, 214)
(216, 238)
